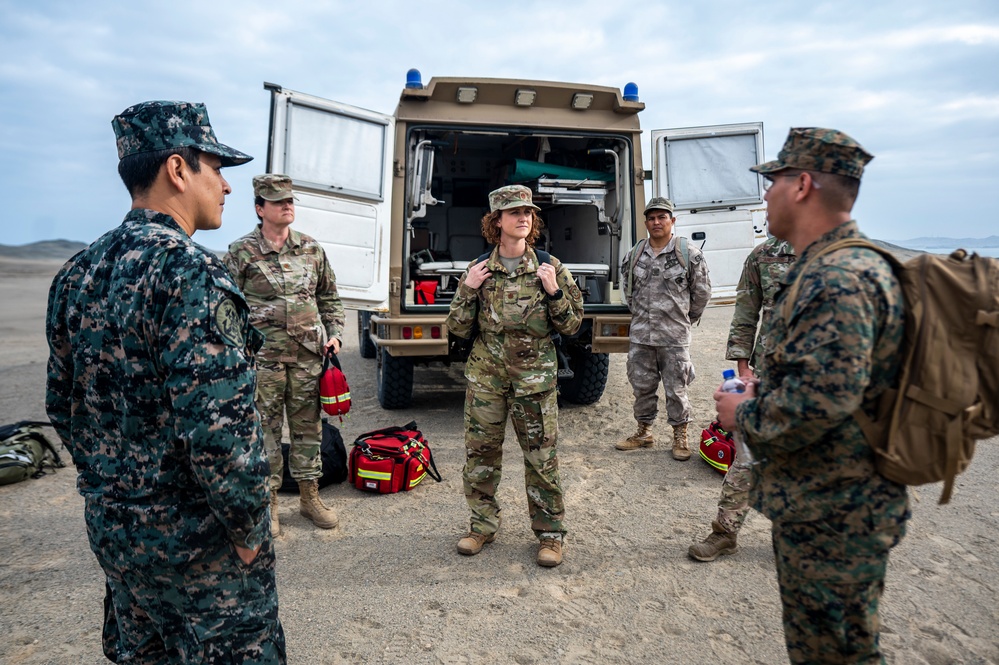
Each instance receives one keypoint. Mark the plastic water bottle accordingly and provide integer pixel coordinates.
(733, 384)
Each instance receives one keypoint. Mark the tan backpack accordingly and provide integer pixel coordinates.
(947, 395)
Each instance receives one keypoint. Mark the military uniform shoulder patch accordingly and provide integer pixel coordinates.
(229, 323)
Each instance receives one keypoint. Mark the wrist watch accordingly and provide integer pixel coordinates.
(557, 295)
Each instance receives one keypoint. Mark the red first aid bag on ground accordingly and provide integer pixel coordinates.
(717, 447)
(390, 460)
(334, 394)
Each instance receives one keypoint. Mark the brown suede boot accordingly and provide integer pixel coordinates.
(311, 506)
(642, 438)
(681, 451)
(550, 552)
(719, 542)
(275, 525)
(472, 543)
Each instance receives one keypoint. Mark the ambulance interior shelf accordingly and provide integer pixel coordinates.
(448, 236)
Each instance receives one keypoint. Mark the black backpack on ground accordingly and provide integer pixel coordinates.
(334, 456)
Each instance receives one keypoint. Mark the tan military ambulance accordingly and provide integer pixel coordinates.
(396, 201)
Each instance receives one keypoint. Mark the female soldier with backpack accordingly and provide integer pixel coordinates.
(518, 297)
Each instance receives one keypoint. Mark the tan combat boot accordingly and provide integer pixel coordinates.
(718, 543)
(550, 552)
(681, 451)
(310, 505)
(473, 542)
(642, 438)
(275, 525)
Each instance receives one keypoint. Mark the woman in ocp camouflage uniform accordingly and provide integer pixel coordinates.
(518, 300)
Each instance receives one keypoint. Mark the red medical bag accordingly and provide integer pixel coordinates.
(390, 460)
(334, 393)
(717, 447)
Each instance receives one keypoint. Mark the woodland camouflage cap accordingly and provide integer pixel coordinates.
(819, 149)
(511, 196)
(162, 125)
(272, 187)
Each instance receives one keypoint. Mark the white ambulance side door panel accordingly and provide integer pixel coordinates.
(339, 158)
(719, 201)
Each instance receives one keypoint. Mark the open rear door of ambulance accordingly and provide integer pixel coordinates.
(339, 158)
(719, 201)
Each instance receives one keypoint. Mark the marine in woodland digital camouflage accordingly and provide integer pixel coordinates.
(667, 298)
(513, 369)
(294, 302)
(762, 274)
(834, 517)
(150, 387)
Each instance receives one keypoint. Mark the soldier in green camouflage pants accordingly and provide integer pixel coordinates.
(291, 289)
(762, 273)
(517, 302)
(150, 387)
(832, 350)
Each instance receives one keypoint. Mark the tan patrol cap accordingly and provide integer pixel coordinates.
(273, 187)
(659, 203)
(511, 196)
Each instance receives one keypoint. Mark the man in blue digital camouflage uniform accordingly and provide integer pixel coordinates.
(150, 386)
(832, 350)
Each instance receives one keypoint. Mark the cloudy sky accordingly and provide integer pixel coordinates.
(915, 81)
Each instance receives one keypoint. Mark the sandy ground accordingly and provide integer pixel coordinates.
(387, 586)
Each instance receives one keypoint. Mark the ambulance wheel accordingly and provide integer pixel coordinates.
(589, 376)
(395, 381)
(368, 348)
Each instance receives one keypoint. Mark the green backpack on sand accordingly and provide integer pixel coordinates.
(25, 452)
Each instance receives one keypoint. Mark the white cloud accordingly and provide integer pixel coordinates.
(914, 81)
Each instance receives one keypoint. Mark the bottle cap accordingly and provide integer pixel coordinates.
(728, 374)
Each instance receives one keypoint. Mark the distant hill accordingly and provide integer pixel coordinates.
(948, 243)
(984, 246)
(901, 253)
(45, 249)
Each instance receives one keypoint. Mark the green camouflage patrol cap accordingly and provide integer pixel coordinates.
(659, 203)
(819, 149)
(511, 196)
(164, 125)
(273, 187)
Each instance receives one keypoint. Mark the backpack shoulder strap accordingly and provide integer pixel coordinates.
(792, 294)
(543, 256)
(632, 259)
(683, 252)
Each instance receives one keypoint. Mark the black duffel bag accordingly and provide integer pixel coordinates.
(334, 456)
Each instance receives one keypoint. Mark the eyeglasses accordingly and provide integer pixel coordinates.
(768, 180)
